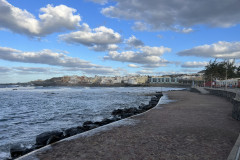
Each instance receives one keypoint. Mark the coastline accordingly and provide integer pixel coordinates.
(193, 126)
(53, 136)
(172, 85)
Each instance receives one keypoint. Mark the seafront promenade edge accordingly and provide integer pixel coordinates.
(233, 96)
(192, 127)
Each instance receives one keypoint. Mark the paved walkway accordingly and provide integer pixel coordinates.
(194, 127)
(201, 90)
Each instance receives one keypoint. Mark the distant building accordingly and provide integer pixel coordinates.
(160, 79)
(142, 79)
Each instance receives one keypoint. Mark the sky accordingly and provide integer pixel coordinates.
(54, 38)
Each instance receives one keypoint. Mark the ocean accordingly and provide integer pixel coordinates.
(26, 112)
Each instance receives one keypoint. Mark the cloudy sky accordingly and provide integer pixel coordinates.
(49, 38)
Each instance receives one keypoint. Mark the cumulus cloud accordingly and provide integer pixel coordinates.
(165, 15)
(147, 56)
(51, 58)
(133, 66)
(43, 57)
(194, 64)
(52, 19)
(221, 49)
(109, 47)
(98, 39)
(134, 42)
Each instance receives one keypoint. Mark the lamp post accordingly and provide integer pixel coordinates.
(226, 79)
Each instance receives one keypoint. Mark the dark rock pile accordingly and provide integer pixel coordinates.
(50, 137)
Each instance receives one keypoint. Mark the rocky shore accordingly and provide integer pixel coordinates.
(50, 137)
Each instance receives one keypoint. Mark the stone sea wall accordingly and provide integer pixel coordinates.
(231, 96)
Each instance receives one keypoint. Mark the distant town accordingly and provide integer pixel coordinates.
(136, 80)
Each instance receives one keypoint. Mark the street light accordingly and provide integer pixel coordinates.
(226, 79)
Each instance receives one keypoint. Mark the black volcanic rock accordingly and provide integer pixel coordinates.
(18, 150)
(43, 138)
(88, 125)
(73, 131)
(126, 112)
(53, 139)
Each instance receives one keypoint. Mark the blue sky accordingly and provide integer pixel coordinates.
(49, 38)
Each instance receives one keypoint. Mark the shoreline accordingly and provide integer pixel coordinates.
(46, 138)
(173, 85)
(188, 128)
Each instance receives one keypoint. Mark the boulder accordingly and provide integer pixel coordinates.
(72, 131)
(117, 112)
(115, 119)
(126, 112)
(107, 121)
(154, 99)
(53, 139)
(145, 107)
(42, 139)
(125, 115)
(88, 125)
(158, 94)
(18, 150)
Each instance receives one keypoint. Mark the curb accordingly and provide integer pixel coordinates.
(235, 152)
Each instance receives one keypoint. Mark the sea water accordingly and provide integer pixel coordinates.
(26, 112)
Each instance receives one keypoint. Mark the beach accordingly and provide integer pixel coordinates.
(193, 127)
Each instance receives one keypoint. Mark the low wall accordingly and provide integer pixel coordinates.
(230, 95)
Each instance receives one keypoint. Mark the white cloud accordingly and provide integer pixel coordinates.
(53, 59)
(99, 39)
(165, 15)
(147, 56)
(53, 19)
(134, 42)
(109, 47)
(133, 66)
(43, 57)
(187, 30)
(221, 49)
(157, 51)
(194, 64)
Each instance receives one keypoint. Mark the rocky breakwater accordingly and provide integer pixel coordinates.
(50, 137)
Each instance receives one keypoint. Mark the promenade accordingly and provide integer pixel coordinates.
(192, 127)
